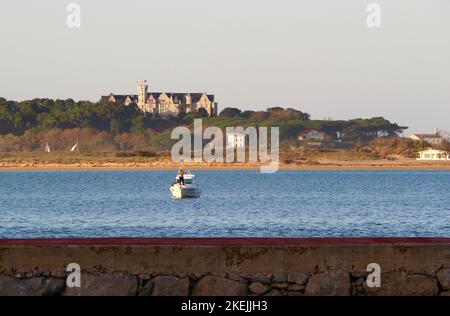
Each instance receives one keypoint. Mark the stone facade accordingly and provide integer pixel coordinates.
(332, 283)
(167, 104)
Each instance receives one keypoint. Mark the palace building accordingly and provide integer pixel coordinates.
(166, 104)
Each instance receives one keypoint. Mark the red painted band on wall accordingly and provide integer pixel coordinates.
(219, 241)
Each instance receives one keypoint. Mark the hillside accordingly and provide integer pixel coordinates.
(103, 126)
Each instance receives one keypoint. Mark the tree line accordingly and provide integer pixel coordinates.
(39, 115)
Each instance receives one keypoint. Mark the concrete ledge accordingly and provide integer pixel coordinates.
(334, 266)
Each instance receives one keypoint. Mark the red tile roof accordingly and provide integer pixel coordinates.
(311, 130)
(427, 135)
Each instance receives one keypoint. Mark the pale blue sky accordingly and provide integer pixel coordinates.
(318, 55)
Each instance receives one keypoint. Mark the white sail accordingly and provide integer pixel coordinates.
(75, 147)
(47, 148)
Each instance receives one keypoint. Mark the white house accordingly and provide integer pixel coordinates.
(313, 135)
(432, 139)
(235, 140)
(433, 154)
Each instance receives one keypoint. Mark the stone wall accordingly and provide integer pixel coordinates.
(231, 267)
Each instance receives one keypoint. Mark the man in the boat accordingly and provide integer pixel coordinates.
(181, 175)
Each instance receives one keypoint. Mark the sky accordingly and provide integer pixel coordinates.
(318, 56)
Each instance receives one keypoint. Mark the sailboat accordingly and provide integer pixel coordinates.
(75, 147)
(47, 148)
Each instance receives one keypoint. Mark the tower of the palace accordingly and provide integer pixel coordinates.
(142, 88)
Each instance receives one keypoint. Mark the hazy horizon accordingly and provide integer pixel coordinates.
(316, 56)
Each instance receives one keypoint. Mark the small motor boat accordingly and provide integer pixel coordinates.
(189, 189)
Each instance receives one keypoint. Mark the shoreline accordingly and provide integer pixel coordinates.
(166, 167)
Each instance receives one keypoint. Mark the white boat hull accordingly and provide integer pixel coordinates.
(183, 191)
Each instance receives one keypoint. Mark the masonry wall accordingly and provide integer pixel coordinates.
(225, 266)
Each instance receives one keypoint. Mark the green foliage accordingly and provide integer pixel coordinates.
(247, 114)
(202, 113)
(291, 126)
(138, 124)
(161, 140)
(420, 145)
(45, 114)
(230, 112)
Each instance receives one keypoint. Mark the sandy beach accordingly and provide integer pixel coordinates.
(402, 164)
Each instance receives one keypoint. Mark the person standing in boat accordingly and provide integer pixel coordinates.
(181, 175)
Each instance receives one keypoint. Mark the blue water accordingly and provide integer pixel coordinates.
(233, 204)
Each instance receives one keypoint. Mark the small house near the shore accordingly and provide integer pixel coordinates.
(313, 135)
(432, 139)
(433, 154)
